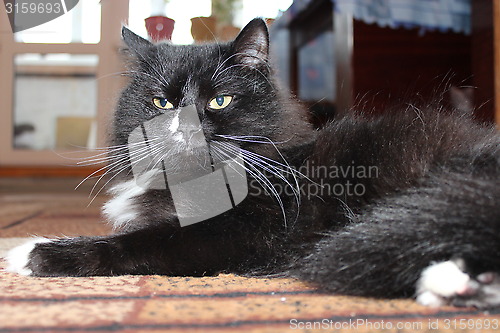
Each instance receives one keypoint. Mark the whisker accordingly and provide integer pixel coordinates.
(244, 138)
(115, 158)
(215, 75)
(255, 161)
(116, 164)
(102, 187)
(287, 166)
(256, 174)
(245, 65)
(120, 167)
(265, 165)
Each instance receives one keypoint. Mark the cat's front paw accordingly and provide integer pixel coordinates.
(19, 258)
(79, 256)
(487, 295)
(446, 283)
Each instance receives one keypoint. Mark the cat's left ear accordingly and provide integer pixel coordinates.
(251, 47)
(134, 42)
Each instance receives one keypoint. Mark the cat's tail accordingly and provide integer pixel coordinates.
(384, 252)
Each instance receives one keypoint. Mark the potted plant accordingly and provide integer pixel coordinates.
(203, 29)
(159, 27)
(224, 11)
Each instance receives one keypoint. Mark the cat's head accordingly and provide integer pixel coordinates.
(230, 87)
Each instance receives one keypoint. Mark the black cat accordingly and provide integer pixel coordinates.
(401, 205)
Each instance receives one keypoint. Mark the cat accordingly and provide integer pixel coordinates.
(400, 205)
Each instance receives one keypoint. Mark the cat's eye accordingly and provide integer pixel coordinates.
(220, 102)
(162, 103)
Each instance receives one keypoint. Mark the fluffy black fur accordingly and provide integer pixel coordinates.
(433, 195)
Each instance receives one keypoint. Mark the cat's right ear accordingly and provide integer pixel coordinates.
(134, 42)
(251, 46)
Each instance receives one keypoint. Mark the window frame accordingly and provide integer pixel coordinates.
(109, 83)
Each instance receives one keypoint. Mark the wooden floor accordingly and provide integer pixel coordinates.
(10, 185)
(49, 207)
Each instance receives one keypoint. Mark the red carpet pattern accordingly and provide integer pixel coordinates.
(225, 303)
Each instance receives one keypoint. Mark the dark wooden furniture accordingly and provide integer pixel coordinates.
(377, 68)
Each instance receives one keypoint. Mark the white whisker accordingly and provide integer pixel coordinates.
(262, 179)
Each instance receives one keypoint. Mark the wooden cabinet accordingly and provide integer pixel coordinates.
(377, 68)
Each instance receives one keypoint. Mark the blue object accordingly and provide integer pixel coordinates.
(441, 15)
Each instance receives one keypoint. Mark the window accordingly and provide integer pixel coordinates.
(59, 83)
(55, 101)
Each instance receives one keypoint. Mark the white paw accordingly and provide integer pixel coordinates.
(441, 281)
(18, 257)
(428, 298)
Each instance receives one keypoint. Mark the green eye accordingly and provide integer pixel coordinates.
(220, 102)
(162, 103)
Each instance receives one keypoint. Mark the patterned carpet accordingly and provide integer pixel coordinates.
(226, 303)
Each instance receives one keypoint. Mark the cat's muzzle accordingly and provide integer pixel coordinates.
(204, 179)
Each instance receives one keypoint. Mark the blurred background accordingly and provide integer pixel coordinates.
(59, 81)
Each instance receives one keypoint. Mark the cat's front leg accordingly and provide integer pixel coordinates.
(80, 256)
(87, 256)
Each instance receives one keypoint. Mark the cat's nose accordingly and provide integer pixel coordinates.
(188, 130)
(189, 123)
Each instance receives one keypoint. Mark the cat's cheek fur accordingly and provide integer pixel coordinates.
(18, 258)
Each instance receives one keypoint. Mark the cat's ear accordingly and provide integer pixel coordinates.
(251, 47)
(134, 42)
